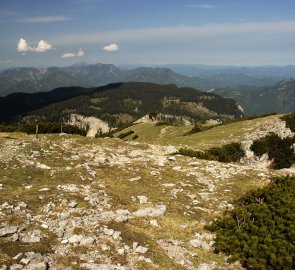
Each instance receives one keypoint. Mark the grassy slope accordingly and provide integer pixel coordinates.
(173, 135)
(230, 181)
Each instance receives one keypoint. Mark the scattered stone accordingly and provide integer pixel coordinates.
(16, 267)
(38, 266)
(135, 178)
(32, 237)
(68, 188)
(194, 163)
(8, 230)
(73, 204)
(141, 249)
(93, 266)
(88, 240)
(207, 266)
(176, 168)
(105, 247)
(147, 260)
(203, 241)
(159, 210)
(42, 166)
(142, 199)
(168, 185)
(134, 245)
(25, 261)
(18, 256)
(116, 235)
(22, 205)
(75, 239)
(154, 223)
(14, 237)
(155, 173)
(44, 189)
(121, 251)
(108, 232)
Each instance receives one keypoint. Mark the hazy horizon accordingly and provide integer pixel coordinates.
(130, 32)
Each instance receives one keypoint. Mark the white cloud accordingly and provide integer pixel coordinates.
(69, 55)
(45, 19)
(204, 6)
(23, 46)
(111, 48)
(42, 46)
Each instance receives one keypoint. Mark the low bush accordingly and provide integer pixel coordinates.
(125, 134)
(279, 150)
(43, 128)
(260, 231)
(289, 119)
(166, 123)
(232, 152)
(135, 137)
(8, 128)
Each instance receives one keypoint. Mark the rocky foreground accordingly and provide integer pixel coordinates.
(68, 202)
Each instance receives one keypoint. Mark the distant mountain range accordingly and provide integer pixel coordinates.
(32, 80)
(259, 100)
(117, 104)
(211, 71)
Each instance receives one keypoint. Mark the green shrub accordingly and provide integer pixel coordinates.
(260, 231)
(279, 150)
(43, 128)
(8, 128)
(52, 127)
(166, 123)
(126, 134)
(232, 152)
(289, 120)
(196, 128)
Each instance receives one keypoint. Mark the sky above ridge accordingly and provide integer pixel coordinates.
(217, 32)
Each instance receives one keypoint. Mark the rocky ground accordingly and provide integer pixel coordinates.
(69, 202)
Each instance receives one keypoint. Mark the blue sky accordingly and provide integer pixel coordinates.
(224, 32)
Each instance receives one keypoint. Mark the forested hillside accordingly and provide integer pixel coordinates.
(119, 103)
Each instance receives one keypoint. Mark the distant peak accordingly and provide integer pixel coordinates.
(80, 64)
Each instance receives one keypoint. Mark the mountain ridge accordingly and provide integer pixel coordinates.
(24, 79)
(118, 103)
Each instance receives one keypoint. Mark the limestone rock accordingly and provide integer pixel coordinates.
(16, 267)
(154, 223)
(88, 240)
(93, 266)
(159, 210)
(8, 230)
(142, 199)
(75, 239)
